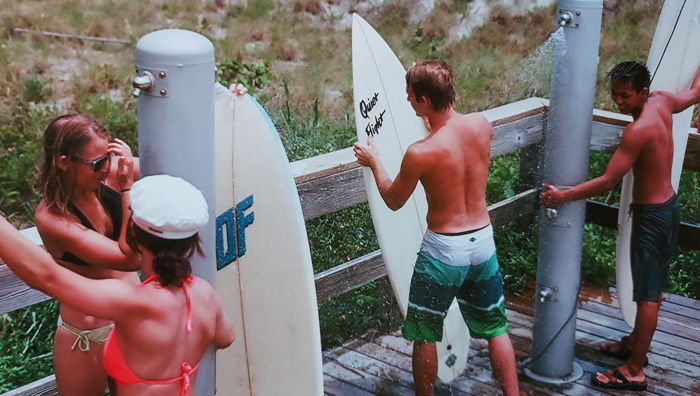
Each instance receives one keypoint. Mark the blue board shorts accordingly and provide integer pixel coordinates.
(463, 266)
(652, 245)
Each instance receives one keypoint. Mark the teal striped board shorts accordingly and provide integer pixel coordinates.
(463, 267)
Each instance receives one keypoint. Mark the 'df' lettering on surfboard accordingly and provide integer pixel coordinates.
(230, 228)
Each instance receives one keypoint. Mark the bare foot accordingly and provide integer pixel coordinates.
(620, 379)
(620, 350)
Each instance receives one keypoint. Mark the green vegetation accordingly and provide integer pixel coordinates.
(35, 90)
(306, 132)
(253, 76)
(295, 58)
(26, 337)
(335, 239)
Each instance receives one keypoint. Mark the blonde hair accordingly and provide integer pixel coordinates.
(66, 135)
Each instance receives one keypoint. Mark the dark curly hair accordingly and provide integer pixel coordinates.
(171, 257)
(633, 72)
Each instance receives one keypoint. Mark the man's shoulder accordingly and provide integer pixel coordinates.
(473, 126)
(662, 100)
(659, 94)
(636, 128)
(475, 122)
(645, 128)
(419, 148)
(472, 118)
(423, 150)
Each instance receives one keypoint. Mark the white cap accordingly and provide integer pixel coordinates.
(168, 207)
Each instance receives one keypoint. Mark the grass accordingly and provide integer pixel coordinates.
(26, 337)
(295, 58)
(334, 239)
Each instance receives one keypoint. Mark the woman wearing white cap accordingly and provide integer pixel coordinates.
(164, 326)
(82, 220)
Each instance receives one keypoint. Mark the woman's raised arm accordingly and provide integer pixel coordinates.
(106, 298)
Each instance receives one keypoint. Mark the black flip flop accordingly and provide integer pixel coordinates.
(621, 355)
(624, 383)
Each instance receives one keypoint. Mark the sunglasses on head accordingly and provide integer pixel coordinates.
(97, 164)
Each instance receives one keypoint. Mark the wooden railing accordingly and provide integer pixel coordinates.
(330, 182)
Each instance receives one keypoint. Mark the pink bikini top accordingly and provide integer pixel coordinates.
(116, 366)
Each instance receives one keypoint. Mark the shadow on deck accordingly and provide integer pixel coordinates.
(380, 363)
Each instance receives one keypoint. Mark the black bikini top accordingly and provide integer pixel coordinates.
(112, 202)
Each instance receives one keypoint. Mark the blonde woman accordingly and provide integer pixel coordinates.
(82, 221)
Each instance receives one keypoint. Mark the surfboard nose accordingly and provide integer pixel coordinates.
(358, 22)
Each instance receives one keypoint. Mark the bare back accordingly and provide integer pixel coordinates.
(652, 168)
(454, 160)
(154, 342)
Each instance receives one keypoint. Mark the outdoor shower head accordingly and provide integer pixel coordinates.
(565, 18)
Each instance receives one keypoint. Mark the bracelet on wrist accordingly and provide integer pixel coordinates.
(125, 190)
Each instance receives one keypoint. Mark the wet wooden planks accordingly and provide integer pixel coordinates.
(380, 363)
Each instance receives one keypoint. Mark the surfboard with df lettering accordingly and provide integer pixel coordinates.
(264, 272)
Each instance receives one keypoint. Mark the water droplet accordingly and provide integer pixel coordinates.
(534, 74)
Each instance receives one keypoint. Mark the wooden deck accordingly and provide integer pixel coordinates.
(380, 363)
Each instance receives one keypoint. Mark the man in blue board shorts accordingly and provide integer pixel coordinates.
(646, 146)
(457, 257)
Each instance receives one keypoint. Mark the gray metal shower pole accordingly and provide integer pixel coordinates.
(566, 152)
(175, 85)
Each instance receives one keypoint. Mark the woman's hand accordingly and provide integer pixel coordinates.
(238, 89)
(125, 164)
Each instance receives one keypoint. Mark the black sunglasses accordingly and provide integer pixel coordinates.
(97, 164)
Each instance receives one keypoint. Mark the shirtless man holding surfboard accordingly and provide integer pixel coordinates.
(646, 147)
(457, 257)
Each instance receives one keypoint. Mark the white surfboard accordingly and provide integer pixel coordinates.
(675, 66)
(381, 110)
(264, 271)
